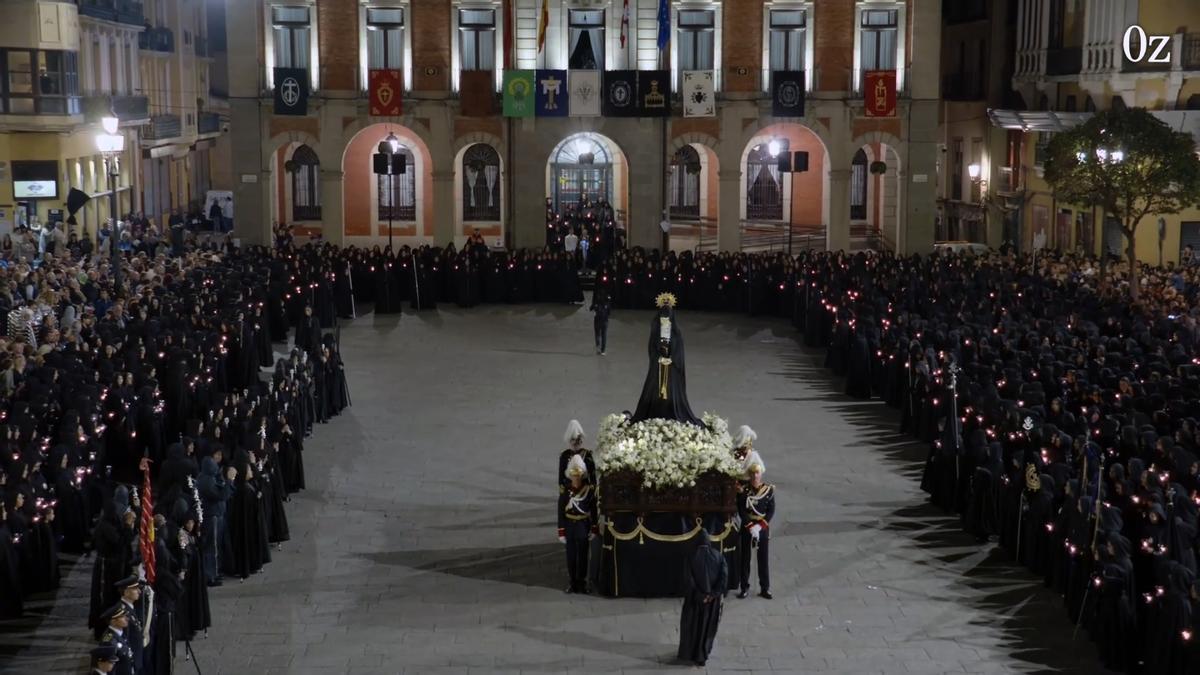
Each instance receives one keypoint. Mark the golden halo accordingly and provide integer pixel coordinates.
(665, 300)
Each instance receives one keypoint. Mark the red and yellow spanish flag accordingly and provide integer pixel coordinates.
(543, 24)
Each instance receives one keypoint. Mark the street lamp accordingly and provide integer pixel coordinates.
(388, 163)
(774, 146)
(975, 173)
(111, 144)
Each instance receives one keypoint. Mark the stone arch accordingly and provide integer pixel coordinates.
(360, 190)
(709, 149)
(883, 195)
(467, 140)
(277, 191)
(813, 183)
(618, 188)
(416, 129)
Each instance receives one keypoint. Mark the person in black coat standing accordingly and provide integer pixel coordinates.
(602, 307)
(215, 492)
(577, 522)
(706, 578)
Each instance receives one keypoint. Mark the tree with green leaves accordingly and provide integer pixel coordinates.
(1128, 163)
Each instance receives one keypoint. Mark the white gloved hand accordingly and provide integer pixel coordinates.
(755, 530)
(562, 540)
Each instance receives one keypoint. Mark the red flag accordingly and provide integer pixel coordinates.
(146, 538)
(879, 93)
(385, 86)
(624, 24)
(543, 24)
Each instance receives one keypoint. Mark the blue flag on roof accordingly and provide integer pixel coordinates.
(664, 23)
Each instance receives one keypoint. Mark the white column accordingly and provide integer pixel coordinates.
(119, 82)
(105, 83)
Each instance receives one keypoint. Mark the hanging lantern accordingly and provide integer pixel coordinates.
(878, 168)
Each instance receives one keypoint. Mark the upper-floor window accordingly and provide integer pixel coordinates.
(697, 37)
(477, 38)
(292, 28)
(879, 39)
(788, 32)
(39, 81)
(956, 182)
(385, 37)
(586, 34)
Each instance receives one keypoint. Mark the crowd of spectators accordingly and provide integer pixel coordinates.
(156, 406)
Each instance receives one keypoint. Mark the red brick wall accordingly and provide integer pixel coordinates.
(337, 21)
(431, 45)
(833, 48)
(741, 44)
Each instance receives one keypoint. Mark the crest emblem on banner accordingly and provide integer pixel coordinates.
(879, 93)
(385, 91)
(698, 94)
(584, 86)
(552, 94)
(519, 97)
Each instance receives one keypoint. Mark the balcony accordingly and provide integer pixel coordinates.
(163, 127)
(962, 87)
(128, 109)
(119, 11)
(1064, 61)
(1190, 59)
(157, 40)
(201, 45)
(208, 122)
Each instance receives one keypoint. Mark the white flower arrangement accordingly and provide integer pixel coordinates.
(666, 453)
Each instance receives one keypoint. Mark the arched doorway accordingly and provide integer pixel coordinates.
(368, 200)
(858, 186)
(772, 195)
(580, 167)
(875, 197)
(685, 183)
(481, 184)
(305, 170)
(764, 181)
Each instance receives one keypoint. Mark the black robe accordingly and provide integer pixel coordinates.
(651, 404)
(706, 577)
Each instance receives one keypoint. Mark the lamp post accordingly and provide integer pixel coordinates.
(385, 166)
(111, 144)
(975, 173)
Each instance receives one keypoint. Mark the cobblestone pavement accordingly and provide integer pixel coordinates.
(425, 542)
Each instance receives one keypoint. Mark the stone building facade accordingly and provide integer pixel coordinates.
(495, 173)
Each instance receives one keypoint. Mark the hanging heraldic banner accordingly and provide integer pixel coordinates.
(384, 86)
(879, 93)
(699, 99)
(621, 93)
(654, 92)
(291, 91)
(787, 93)
(477, 93)
(519, 99)
(552, 96)
(585, 93)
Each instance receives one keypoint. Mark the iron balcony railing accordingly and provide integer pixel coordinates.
(163, 127)
(157, 40)
(128, 109)
(1190, 59)
(208, 122)
(120, 11)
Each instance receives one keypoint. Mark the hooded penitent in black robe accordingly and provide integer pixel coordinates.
(652, 404)
(247, 527)
(11, 605)
(706, 577)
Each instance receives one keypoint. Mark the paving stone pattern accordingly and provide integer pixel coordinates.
(425, 542)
